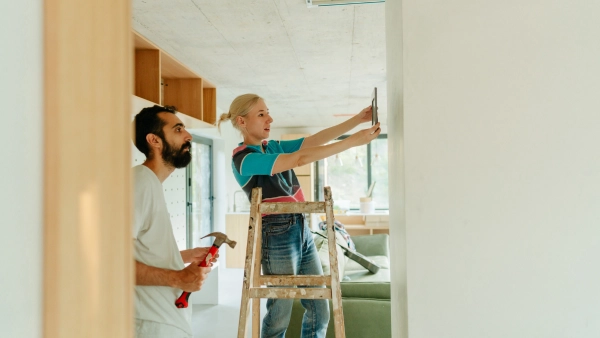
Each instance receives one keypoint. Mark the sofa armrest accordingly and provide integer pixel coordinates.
(372, 245)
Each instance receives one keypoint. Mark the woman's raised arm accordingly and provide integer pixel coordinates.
(331, 133)
(308, 155)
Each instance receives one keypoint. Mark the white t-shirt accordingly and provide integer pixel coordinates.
(155, 245)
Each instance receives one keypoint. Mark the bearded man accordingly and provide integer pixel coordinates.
(161, 275)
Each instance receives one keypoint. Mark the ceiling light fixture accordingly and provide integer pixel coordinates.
(376, 153)
(358, 161)
(376, 159)
(313, 3)
(338, 160)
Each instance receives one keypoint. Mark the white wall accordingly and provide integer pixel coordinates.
(395, 108)
(502, 167)
(231, 138)
(220, 168)
(21, 171)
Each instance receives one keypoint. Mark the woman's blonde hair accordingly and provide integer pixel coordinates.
(240, 106)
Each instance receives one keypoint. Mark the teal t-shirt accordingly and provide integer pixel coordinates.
(252, 167)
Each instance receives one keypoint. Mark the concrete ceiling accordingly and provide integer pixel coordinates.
(310, 64)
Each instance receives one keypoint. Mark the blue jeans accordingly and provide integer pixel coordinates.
(288, 249)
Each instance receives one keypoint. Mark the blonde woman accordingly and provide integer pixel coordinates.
(287, 246)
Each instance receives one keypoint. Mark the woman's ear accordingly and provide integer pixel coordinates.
(240, 121)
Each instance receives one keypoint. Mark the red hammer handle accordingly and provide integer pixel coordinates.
(212, 252)
(182, 301)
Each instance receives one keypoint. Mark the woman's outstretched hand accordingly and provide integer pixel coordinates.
(364, 136)
(365, 115)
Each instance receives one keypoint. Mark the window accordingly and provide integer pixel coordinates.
(199, 193)
(350, 174)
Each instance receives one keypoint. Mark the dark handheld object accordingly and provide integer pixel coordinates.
(182, 301)
(374, 117)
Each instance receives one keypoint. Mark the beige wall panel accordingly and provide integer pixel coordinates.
(88, 277)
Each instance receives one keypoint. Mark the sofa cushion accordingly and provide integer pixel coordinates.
(383, 275)
(364, 318)
(372, 245)
(382, 261)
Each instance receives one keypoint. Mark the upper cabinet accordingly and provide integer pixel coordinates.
(162, 79)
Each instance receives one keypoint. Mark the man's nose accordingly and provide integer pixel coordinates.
(188, 136)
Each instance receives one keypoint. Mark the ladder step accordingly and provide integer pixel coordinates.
(301, 293)
(308, 280)
(291, 208)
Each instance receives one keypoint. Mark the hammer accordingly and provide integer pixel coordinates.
(220, 238)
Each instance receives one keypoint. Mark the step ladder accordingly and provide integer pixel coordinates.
(255, 284)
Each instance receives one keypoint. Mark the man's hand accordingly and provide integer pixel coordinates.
(365, 115)
(197, 254)
(192, 277)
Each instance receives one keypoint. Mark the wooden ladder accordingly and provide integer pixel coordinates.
(255, 284)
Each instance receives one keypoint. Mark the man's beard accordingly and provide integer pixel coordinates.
(177, 158)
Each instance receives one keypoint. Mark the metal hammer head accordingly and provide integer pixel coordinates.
(221, 238)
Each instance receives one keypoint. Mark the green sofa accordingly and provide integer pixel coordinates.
(365, 296)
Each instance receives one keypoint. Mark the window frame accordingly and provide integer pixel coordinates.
(319, 194)
(188, 176)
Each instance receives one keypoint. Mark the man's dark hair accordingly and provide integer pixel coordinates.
(147, 122)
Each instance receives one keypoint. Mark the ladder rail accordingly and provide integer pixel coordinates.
(257, 268)
(248, 266)
(336, 293)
